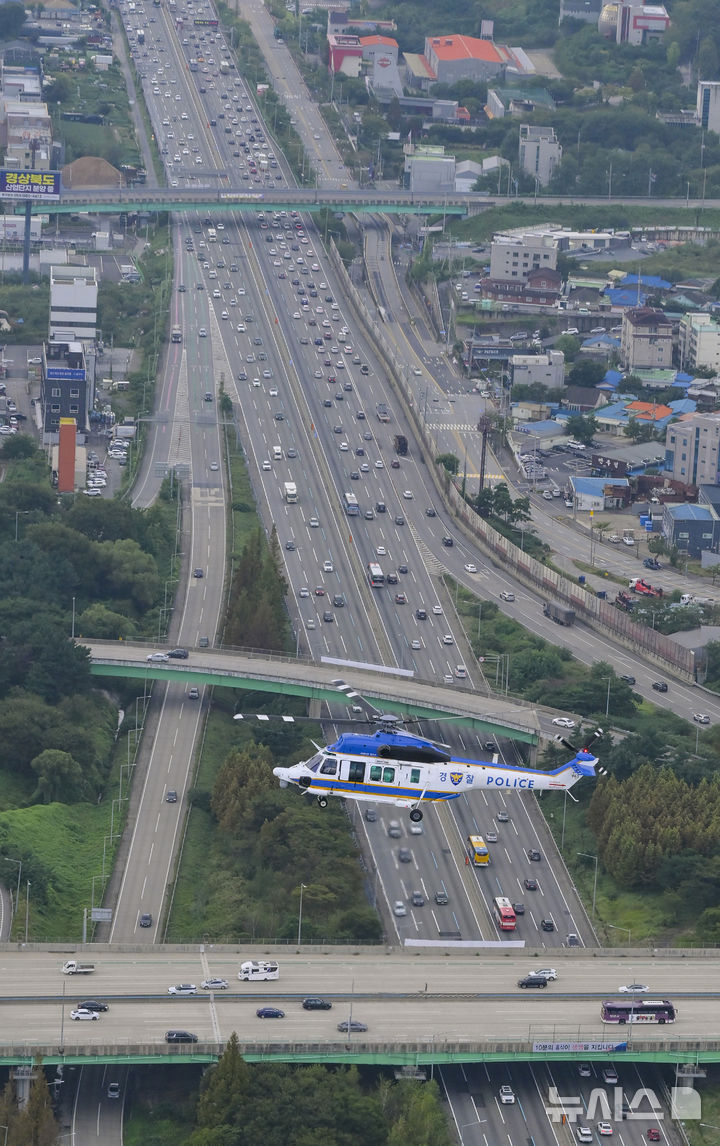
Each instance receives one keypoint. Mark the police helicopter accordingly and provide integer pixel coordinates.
(397, 767)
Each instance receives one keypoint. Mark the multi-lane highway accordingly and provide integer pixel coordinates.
(251, 300)
(403, 997)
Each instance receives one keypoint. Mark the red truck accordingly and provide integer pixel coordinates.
(638, 585)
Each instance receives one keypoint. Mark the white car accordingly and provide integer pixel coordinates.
(543, 973)
(701, 718)
(214, 984)
(381, 551)
(328, 567)
(461, 672)
(82, 1015)
(633, 989)
(507, 596)
(407, 493)
(314, 523)
(157, 657)
(564, 722)
(437, 610)
(183, 989)
(399, 908)
(470, 568)
(266, 465)
(304, 592)
(448, 639)
(415, 644)
(584, 1133)
(507, 1095)
(604, 1128)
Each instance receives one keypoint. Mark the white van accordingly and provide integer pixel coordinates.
(256, 971)
(277, 453)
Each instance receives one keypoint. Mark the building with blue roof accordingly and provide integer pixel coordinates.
(652, 282)
(621, 296)
(600, 493)
(691, 528)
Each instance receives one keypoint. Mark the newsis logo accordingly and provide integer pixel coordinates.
(685, 1104)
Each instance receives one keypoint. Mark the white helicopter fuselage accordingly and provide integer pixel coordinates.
(408, 784)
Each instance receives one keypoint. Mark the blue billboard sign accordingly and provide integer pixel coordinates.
(33, 185)
(65, 374)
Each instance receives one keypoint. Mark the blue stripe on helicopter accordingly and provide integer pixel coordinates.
(327, 783)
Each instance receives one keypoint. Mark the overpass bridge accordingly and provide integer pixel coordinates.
(421, 1005)
(266, 672)
(151, 200)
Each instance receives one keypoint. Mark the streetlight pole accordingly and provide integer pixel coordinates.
(6, 1128)
(587, 856)
(17, 893)
(607, 701)
(72, 630)
(613, 927)
(302, 889)
(27, 910)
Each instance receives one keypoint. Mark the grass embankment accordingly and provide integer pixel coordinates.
(549, 675)
(97, 93)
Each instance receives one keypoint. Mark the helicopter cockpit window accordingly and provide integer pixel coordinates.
(314, 762)
(375, 772)
(388, 775)
(329, 766)
(414, 775)
(356, 772)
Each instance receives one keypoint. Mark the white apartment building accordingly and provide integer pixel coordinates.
(73, 304)
(708, 105)
(547, 369)
(540, 152)
(646, 339)
(699, 342)
(692, 449)
(513, 257)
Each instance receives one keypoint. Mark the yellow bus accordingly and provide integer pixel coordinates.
(478, 851)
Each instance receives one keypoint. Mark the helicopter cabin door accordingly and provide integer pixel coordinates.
(354, 772)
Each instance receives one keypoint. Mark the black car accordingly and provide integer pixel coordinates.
(441, 898)
(533, 854)
(328, 617)
(448, 542)
(371, 815)
(547, 925)
(660, 686)
(530, 884)
(198, 573)
(392, 579)
(404, 855)
(353, 1025)
(402, 568)
(171, 796)
(628, 679)
(316, 1004)
(180, 1037)
(421, 614)
(145, 919)
(93, 1005)
(519, 908)
(430, 512)
(178, 654)
(532, 981)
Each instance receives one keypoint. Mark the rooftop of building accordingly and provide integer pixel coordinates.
(458, 47)
(685, 511)
(595, 487)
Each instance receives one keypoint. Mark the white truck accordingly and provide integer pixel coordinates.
(252, 971)
(290, 492)
(72, 967)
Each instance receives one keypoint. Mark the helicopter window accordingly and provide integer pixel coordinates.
(375, 772)
(329, 767)
(312, 765)
(356, 772)
(414, 775)
(388, 775)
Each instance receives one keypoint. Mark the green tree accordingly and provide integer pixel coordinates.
(36, 1124)
(707, 59)
(450, 462)
(586, 372)
(18, 446)
(582, 427)
(59, 777)
(12, 18)
(225, 1088)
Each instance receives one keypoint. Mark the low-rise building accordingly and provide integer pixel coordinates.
(690, 528)
(428, 169)
(514, 256)
(64, 387)
(545, 369)
(599, 494)
(73, 304)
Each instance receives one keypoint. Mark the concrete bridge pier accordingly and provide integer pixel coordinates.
(22, 1077)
